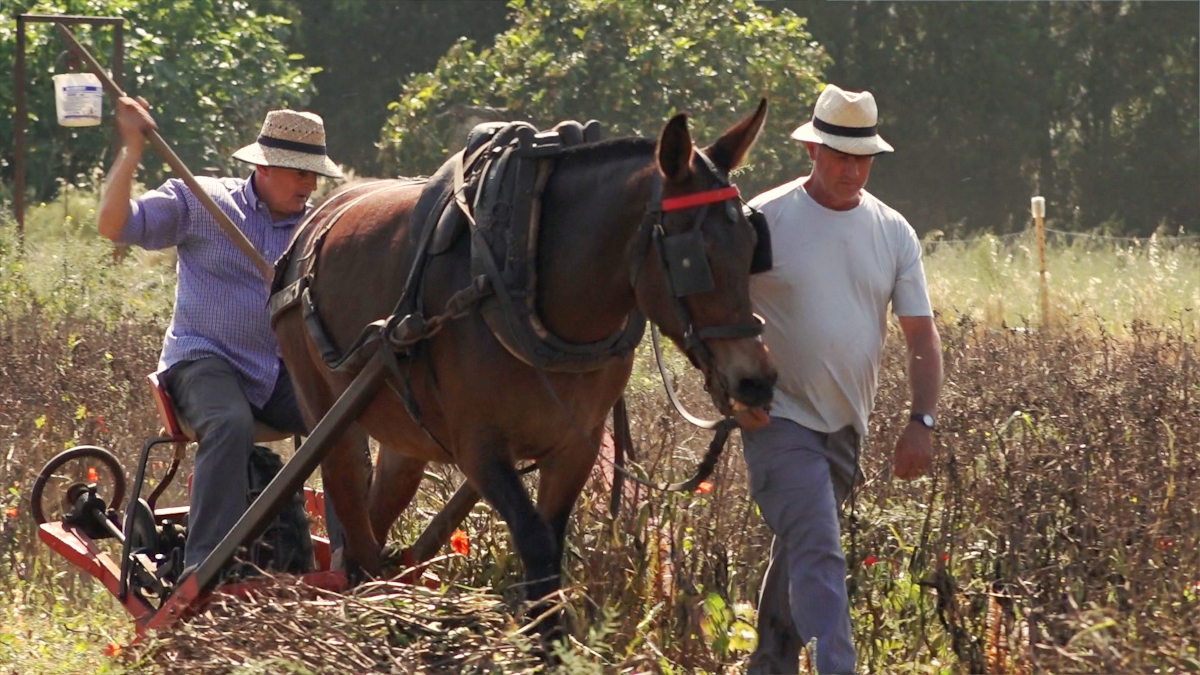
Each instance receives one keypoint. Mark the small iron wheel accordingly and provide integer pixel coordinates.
(68, 473)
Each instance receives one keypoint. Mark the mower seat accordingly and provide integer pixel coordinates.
(178, 429)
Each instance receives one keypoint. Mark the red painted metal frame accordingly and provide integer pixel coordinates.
(81, 550)
(191, 594)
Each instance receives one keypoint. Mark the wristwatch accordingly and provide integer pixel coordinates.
(925, 419)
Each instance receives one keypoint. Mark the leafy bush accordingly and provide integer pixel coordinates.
(630, 64)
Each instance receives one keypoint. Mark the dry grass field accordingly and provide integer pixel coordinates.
(1059, 531)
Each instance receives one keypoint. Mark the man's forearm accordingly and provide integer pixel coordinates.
(114, 204)
(925, 371)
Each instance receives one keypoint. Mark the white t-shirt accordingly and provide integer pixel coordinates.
(825, 302)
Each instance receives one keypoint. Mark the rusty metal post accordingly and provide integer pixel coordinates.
(118, 64)
(118, 68)
(19, 135)
(20, 124)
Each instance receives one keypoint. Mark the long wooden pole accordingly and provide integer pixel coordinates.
(177, 165)
(1038, 207)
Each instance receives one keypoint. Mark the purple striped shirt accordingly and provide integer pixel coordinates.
(220, 299)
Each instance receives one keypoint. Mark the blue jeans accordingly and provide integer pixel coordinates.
(798, 477)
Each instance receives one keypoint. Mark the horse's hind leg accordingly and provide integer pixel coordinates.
(495, 477)
(396, 480)
(346, 473)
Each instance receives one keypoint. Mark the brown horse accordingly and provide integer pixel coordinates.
(484, 410)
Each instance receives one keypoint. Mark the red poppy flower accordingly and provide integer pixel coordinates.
(870, 560)
(93, 475)
(705, 487)
(11, 512)
(460, 542)
(113, 649)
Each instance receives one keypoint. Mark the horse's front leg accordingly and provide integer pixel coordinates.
(346, 474)
(561, 477)
(490, 470)
(396, 480)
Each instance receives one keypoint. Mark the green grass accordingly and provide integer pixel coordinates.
(1092, 282)
(1104, 284)
(66, 268)
(45, 631)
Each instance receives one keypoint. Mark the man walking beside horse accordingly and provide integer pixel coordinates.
(220, 359)
(840, 256)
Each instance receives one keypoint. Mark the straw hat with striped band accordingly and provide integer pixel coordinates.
(845, 121)
(293, 140)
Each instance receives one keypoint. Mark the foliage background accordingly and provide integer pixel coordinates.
(1095, 105)
(631, 64)
(209, 68)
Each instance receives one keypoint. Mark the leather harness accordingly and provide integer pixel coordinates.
(493, 190)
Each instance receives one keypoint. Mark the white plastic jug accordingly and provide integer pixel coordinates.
(78, 98)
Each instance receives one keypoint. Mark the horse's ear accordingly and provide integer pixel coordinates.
(675, 149)
(731, 148)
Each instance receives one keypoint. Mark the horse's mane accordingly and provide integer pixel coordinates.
(614, 149)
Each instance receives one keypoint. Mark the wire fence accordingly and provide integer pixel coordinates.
(1064, 237)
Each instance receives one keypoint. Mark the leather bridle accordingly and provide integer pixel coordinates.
(685, 264)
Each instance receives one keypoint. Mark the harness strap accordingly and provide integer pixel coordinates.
(461, 166)
(703, 471)
(288, 296)
(732, 331)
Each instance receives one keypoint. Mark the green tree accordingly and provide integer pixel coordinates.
(366, 49)
(209, 68)
(628, 63)
(1091, 104)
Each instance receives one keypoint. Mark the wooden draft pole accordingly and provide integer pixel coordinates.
(173, 160)
(1038, 206)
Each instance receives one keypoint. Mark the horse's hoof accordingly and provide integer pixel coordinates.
(357, 574)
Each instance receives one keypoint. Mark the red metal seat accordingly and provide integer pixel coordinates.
(177, 427)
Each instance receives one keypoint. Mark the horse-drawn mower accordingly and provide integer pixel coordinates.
(678, 205)
(77, 499)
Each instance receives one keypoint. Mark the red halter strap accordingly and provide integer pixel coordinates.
(700, 198)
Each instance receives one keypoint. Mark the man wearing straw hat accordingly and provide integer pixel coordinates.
(220, 359)
(841, 256)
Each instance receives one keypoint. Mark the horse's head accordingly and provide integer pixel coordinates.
(694, 278)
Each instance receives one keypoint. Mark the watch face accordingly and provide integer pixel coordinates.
(925, 419)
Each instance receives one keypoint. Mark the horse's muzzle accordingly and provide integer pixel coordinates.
(755, 392)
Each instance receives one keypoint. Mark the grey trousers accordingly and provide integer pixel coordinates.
(798, 477)
(207, 393)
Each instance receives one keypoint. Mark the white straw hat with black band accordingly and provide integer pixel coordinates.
(845, 121)
(293, 140)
